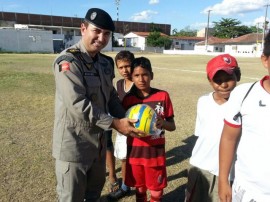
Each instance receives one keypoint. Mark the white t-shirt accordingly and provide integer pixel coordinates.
(209, 125)
(120, 146)
(252, 167)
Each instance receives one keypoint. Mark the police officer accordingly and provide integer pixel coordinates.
(84, 97)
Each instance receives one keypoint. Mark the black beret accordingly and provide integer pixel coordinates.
(100, 18)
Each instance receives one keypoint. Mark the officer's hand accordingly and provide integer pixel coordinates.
(126, 127)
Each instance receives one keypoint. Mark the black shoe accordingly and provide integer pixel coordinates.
(118, 194)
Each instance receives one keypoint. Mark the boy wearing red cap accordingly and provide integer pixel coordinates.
(222, 73)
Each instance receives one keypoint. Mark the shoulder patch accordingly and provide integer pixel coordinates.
(64, 58)
(64, 67)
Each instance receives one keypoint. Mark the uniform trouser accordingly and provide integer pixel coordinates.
(78, 182)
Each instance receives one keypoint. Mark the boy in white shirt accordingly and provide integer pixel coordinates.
(123, 61)
(222, 73)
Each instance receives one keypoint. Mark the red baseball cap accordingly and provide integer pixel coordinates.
(224, 62)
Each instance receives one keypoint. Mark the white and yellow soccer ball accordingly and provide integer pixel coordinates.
(146, 116)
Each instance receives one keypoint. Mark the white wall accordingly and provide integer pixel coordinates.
(184, 44)
(210, 48)
(131, 49)
(240, 48)
(59, 36)
(203, 52)
(252, 50)
(29, 40)
(199, 48)
(19, 40)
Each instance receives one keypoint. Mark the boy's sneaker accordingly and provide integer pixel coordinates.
(118, 194)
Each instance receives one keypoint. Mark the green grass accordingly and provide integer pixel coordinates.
(27, 112)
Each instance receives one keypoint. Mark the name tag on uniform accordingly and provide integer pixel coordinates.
(90, 74)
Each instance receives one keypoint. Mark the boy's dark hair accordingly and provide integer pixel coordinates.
(266, 47)
(124, 55)
(142, 62)
(237, 72)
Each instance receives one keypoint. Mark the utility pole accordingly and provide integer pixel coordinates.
(264, 25)
(117, 3)
(207, 30)
(257, 41)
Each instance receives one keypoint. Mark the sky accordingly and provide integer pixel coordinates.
(180, 14)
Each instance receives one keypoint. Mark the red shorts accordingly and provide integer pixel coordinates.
(153, 178)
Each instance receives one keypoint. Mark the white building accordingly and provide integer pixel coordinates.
(213, 44)
(138, 39)
(184, 42)
(119, 38)
(246, 45)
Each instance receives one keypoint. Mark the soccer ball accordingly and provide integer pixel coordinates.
(146, 116)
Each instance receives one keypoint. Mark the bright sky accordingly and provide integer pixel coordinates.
(179, 13)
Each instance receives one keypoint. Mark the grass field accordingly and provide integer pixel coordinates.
(27, 111)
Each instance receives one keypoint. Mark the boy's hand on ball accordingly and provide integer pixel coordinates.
(159, 122)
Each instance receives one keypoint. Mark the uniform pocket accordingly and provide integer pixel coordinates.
(93, 81)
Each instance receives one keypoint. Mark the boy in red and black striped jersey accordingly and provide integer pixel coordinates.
(146, 161)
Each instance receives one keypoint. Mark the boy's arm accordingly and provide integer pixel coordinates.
(167, 124)
(228, 142)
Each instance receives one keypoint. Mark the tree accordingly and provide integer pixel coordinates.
(256, 29)
(156, 40)
(230, 28)
(185, 32)
(174, 31)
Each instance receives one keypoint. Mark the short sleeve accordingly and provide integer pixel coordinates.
(233, 107)
(169, 106)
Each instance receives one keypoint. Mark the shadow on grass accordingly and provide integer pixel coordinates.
(178, 194)
(176, 156)
(181, 153)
